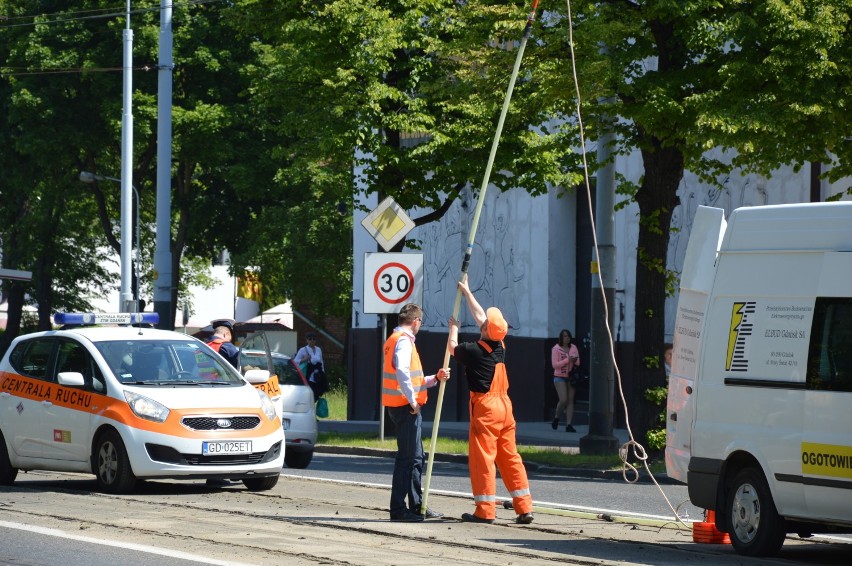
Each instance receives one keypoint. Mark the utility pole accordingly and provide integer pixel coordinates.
(162, 253)
(600, 439)
(126, 296)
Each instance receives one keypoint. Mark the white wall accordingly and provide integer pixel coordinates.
(515, 264)
(525, 252)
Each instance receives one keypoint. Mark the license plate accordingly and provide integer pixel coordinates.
(285, 423)
(226, 447)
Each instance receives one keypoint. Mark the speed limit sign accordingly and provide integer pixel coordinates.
(392, 280)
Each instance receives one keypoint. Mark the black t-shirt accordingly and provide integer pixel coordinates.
(478, 364)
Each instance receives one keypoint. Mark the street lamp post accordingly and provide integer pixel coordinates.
(90, 178)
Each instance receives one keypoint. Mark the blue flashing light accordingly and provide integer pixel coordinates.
(72, 318)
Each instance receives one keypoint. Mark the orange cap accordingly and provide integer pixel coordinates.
(496, 326)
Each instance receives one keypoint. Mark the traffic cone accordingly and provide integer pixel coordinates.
(707, 533)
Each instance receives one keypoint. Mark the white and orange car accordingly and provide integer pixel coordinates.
(128, 402)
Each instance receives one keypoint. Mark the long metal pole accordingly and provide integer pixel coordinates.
(162, 250)
(126, 296)
(381, 360)
(469, 250)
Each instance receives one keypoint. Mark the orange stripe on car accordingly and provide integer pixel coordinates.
(119, 411)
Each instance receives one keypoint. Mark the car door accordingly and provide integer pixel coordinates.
(67, 415)
(255, 354)
(21, 402)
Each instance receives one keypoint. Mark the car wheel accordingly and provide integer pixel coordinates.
(298, 460)
(111, 465)
(756, 529)
(261, 484)
(7, 472)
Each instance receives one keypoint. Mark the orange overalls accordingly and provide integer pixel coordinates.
(492, 439)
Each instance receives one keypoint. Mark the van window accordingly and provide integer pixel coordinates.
(830, 358)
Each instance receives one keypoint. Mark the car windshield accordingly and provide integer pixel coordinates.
(166, 362)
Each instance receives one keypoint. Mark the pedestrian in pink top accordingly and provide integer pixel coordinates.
(564, 357)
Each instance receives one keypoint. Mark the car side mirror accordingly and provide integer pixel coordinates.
(256, 376)
(71, 379)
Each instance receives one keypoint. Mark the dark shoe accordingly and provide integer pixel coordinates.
(432, 514)
(408, 517)
(555, 424)
(471, 518)
(569, 428)
(524, 519)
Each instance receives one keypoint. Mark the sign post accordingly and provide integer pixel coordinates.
(390, 281)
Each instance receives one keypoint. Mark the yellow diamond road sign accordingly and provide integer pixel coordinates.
(388, 224)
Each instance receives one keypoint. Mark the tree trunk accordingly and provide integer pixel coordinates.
(14, 309)
(657, 199)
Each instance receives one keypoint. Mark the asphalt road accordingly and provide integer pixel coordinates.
(314, 520)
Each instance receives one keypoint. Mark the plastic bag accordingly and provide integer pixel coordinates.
(322, 408)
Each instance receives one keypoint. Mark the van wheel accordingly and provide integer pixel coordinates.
(298, 460)
(111, 465)
(7, 472)
(261, 484)
(756, 529)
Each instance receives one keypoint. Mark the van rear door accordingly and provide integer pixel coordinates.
(696, 283)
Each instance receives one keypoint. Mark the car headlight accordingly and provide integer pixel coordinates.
(146, 408)
(266, 405)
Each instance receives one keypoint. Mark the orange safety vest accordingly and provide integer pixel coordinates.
(216, 343)
(391, 393)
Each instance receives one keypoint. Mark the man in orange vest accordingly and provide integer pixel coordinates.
(492, 425)
(223, 334)
(404, 393)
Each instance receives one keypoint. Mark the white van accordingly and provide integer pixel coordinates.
(759, 424)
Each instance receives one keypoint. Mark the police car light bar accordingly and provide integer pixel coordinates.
(106, 318)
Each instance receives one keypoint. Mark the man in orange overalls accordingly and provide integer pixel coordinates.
(492, 424)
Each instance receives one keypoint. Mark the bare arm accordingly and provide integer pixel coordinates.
(475, 308)
(453, 340)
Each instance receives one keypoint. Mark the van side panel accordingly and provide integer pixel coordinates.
(752, 377)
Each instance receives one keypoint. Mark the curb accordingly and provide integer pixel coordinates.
(610, 475)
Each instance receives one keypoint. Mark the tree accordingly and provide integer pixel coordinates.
(63, 84)
(48, 226)
(766, 79)
(402, 96)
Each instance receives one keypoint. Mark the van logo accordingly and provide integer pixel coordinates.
(223, 423)
(741, 327)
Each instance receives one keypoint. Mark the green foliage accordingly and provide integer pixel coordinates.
(283, 110)
(545, 456)
(656, 395)
(657, 436)
(652, 362)
(434, 72)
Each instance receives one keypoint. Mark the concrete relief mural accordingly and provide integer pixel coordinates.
(736, 191)
(493, 273)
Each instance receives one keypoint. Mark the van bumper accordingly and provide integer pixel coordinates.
(703, 481)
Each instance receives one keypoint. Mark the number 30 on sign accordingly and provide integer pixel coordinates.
(392, 280)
